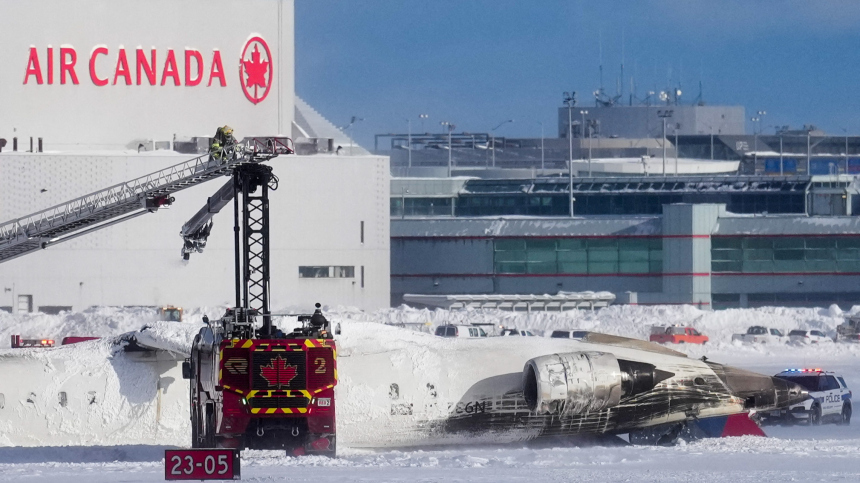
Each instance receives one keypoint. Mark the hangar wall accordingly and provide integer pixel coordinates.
(328, 211)
(109, 75)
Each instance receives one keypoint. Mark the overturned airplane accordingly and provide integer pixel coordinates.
(398, 388)
(429, 390)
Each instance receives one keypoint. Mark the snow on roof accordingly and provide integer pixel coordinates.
(526, 226)
(788, 225)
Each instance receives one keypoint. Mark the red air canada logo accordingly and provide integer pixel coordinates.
(150, 66)
(278, 373)
(255, 70)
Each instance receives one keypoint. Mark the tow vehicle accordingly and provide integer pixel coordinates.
(253, 385)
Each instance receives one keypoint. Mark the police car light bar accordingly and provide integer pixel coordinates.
(802, 370)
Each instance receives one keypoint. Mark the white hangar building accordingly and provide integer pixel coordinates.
(96, 93)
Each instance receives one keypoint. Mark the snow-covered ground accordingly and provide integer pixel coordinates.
(799, 453)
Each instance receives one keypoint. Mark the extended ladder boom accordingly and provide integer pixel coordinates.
(126, 200)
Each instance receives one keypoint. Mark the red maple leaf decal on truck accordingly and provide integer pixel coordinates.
(278, 372)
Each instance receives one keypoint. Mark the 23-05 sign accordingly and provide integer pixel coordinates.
(201, 464)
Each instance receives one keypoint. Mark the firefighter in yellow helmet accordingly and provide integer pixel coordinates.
(222, 144)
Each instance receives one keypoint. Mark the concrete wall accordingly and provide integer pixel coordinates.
(41, 99)
(316, 216)
(644, 121)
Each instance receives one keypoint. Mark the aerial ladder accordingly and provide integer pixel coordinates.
(251, 384)
(130, 199)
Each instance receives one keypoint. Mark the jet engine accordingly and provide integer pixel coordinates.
(581, 382)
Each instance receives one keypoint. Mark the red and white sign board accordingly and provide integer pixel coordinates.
(202, 464)
(96, 74)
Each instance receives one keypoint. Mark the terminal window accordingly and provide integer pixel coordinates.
(326, 272)
(593, 255)
(785, 254)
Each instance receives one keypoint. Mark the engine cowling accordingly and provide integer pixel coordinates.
(581, 382)
(572, 383)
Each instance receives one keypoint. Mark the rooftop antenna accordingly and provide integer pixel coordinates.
(600, 57)
(621, 90)
(699, 100)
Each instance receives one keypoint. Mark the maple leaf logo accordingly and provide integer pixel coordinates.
(278, 372)
(255, 70)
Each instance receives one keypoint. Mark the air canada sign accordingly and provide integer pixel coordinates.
(155, 67)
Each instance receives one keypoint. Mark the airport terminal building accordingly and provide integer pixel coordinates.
(647, 240)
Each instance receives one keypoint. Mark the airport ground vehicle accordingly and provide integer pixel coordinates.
(676, 335)
(253, 385)
(761, 335)
(830, 398)
(460, 331)
(849, 331)
(808, 337)
(19, 343)
(170, 313)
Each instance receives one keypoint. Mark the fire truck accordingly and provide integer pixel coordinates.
(253, 385)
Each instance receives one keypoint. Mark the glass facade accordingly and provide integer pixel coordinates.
(782, 254)
(421, 206)
(613, 204)
(503, 204)
(633, 255)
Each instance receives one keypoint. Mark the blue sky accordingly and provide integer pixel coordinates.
(476, 63)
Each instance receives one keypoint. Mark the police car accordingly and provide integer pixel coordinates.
(829, 398)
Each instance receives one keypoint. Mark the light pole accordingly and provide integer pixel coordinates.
(582, 114)
(409, 140)
(676, 150)
(541, 148)
(569, 101)
(664, 114)
(450, 128)
(493, 136)
(846, 149)
(352, 121)
(757, 119)
(780, 153)
(423, 117)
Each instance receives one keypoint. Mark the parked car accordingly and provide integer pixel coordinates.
(460, 331)
(761, 335)
(808, 337)
(829, 398)
(509, 332)
(569, 334)
(677, 335)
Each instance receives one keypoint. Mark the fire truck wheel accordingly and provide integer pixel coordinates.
(209, 427)
(196, 428)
